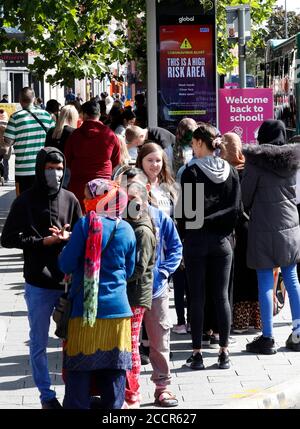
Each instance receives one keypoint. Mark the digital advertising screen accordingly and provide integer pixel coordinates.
(186, 68)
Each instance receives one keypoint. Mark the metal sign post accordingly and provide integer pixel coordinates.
(242, 48)
(239, 30)
(152, 64)
(297, 81)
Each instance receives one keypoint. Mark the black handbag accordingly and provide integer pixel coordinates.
(61, 316)
(279, 292)
(62, 312)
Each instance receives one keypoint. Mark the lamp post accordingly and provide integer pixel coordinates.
(286, 21)
(242, 47)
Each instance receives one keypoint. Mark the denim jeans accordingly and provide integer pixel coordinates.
(265, 293)
(40, 304)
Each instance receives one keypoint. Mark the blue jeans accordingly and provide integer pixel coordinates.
(40, 304)
(265, 296)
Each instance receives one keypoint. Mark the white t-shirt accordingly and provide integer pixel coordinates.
(162, 199)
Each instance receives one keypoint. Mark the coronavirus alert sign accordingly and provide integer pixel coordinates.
(186, 63)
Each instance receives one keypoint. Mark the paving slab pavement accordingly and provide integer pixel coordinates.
(251, 382)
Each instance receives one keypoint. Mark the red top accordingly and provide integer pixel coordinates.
(91, 151)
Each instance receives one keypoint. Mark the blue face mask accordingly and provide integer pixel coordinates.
(53, 178)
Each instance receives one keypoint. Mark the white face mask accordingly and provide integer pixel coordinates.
(53, 178)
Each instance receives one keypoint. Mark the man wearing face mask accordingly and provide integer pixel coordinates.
(37, 223)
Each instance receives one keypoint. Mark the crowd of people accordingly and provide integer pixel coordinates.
(123, 210)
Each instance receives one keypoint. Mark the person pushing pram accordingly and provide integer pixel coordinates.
(4, 150)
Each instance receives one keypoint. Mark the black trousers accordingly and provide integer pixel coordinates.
(23, 183)
(208, 261)
(109, 382)
(180, 290)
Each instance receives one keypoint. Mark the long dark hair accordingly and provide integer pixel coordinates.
(208, 134)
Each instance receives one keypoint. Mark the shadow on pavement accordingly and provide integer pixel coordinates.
(19, 366)
(11, 256)
(279, 324)
(20, 287)
(14, 313)
(53, 343)
(11, 270)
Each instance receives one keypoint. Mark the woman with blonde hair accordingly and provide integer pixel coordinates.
(125, 157)
(65, 125)
(246, 312)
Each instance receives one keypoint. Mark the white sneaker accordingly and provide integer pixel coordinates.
(179, 329)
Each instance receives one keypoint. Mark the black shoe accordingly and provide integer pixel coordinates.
(205, 340)
(223, 361)
(96, 403)
(214, 342)
(53, 404)
(144, 354)
(262, 345)
(293, 342)
(195, 361)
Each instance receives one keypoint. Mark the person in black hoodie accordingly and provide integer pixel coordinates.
(207, 248)
(37, 223)
(269, 193)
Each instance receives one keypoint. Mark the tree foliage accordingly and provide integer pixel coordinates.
(273, 29)
(76, 38)
(260, 12)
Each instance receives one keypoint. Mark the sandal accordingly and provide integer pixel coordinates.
(166, 399)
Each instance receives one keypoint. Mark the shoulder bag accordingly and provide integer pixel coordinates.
(62, 312)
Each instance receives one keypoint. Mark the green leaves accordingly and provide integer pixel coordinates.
(81, 38)
(260, 12)
(76, 39)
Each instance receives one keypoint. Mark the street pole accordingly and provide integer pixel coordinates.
(297, 82)
(152, 63)
(242, 47)
(286, 22)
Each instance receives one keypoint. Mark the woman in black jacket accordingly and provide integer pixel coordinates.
(246, 312)
(269, 192)
(207, 248)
